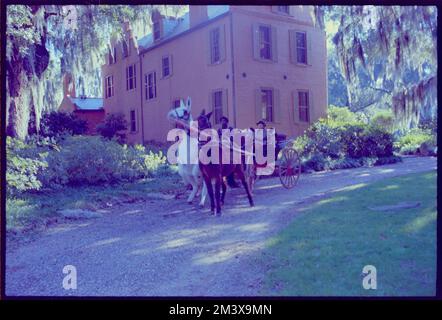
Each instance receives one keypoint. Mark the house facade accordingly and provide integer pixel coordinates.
(244, 62)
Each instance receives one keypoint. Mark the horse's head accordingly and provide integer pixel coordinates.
(204, 120)
(181, 115)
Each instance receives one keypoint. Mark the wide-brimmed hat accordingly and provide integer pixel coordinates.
(262, 122)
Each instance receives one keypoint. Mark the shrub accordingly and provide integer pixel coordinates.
(383, 119)
(57, 123)
(21, 172)
(377, 142)
(411, 142)
(112, 127)
(342, 141)
(341, 116)
(323, 139)
(95, 160)
(352, 139)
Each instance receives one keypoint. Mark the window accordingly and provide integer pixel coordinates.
(301, 47)
(303, 103)
(112, 55)
(125, 49)
(131, 80)
(217, 105)
(215, 55)
(284, 9)
(133, 121)
(265, 43)
(157, 29)
(267, 104)
(166, 66)
(150, 82)
(109, 86)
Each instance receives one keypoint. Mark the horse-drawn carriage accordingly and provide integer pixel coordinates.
(287, 166)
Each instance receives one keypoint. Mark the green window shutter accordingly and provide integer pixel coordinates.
(292, 46)
(309, 48)
(258, 105)
(310, 106)
(255, 41)
(209, 48)
(274, 35)
(295, 106)
(170, 65)
(277, 108)
(225, 102)
(222, 43)
(211, 104)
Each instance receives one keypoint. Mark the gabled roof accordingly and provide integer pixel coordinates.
(173, 27)
(87, 103)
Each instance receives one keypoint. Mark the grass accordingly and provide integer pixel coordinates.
(323, 251)
(33, 209)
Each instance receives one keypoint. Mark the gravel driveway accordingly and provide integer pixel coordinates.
(170, 248)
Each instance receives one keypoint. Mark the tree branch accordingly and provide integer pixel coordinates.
(381, 89)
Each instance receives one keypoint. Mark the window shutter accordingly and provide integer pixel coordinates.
(274, 44)
(211, 104)
(135, 75)
(277, 112)
(295, 107)
(225, 104)
(155, 84)
(209, 48)
(170, 65)
(255, 41)
(310, 106)
(258, 105)
(222, 43)
(127, 78)
(309, 48)
(292, 46)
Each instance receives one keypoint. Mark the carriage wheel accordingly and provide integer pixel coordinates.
(289, 168)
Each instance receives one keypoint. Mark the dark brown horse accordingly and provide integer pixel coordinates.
(217, 171)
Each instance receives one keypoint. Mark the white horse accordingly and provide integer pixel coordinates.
(188, 170)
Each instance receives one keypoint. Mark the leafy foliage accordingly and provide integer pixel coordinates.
(58, 123)
(77, 160)
(22, 171)
(343, 140)
(414, 140)
(112, 126)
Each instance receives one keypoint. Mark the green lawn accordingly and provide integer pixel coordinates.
(323, 250)
(33, 209)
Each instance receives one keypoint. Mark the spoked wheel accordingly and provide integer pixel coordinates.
(289, 167)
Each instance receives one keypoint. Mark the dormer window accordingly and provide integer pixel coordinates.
(284, 9)
(157, 30)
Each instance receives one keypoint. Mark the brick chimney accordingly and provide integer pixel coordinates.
(68, 85)
(197, 14)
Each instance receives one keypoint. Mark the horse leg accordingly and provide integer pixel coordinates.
(203, 194)
(217, 194)
(224, 188)
(208, 183)
(194, 190)
(241, 176)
